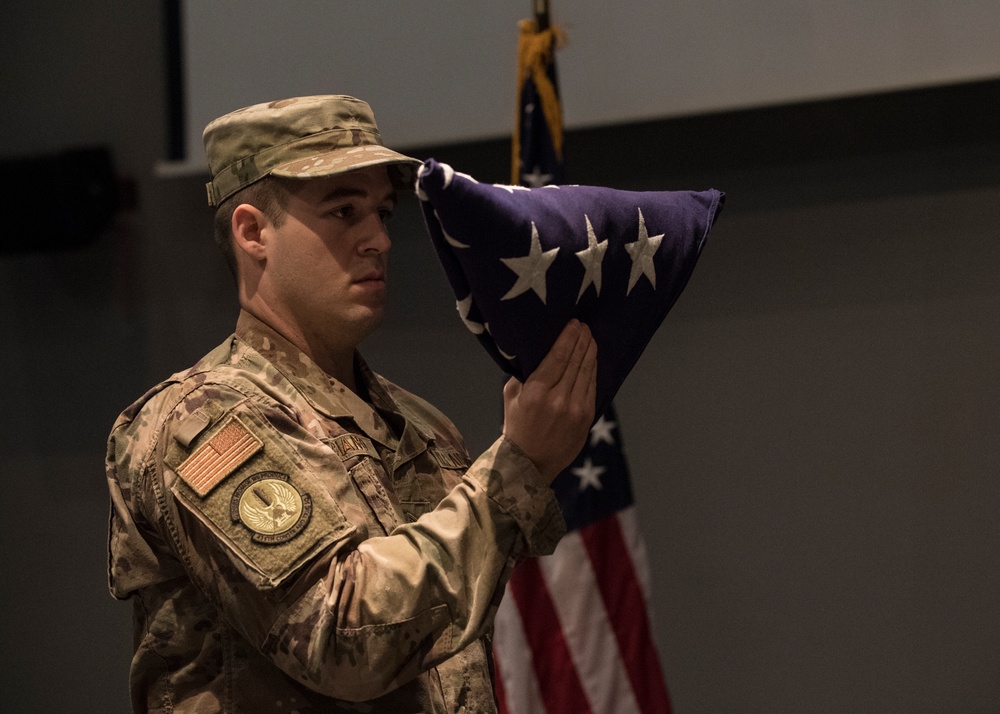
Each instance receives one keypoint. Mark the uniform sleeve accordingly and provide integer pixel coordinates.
(266, 521)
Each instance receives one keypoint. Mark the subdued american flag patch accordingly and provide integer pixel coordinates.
(211, 462)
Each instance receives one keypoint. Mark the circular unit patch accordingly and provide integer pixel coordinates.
(270, 507)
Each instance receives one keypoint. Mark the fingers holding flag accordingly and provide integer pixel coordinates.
(550, 414)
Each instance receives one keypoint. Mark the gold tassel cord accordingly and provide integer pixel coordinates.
(534, 52)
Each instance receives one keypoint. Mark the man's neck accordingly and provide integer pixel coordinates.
(335, 359)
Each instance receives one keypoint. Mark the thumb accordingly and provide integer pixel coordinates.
(511, 390)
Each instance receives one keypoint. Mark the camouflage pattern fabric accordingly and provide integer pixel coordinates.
(291, 547)
(301, 137)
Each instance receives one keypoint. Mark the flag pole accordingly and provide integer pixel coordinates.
(541, 15)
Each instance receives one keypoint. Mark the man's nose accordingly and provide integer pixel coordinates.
(376, 237)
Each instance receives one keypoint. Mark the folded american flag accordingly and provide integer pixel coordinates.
(524, 261)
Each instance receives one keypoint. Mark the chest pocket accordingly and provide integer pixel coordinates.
(363, 464)
(369, 480)
(424, 481)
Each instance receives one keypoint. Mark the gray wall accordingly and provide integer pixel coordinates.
(812, 432)
(669, 58)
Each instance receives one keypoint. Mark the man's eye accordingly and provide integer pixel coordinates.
(385, 214)
(342, 211)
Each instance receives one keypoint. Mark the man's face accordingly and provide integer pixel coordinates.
(326, 269)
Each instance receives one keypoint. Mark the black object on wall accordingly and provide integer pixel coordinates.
(57, 202)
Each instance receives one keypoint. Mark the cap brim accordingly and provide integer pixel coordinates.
(342, 160)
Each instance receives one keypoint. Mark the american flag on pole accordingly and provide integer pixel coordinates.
(573, 634)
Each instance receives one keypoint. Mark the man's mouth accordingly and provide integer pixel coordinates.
(372, 277)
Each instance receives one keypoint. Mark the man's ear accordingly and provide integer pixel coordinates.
(248, 226)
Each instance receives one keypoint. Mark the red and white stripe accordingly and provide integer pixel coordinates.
(573, 633)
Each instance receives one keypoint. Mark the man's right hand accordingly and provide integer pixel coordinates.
(550, 414)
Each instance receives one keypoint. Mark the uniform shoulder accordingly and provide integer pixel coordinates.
(218, 382)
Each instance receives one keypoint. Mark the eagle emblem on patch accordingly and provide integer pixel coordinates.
(270, 507)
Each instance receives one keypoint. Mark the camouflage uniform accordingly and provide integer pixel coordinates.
(290, 547)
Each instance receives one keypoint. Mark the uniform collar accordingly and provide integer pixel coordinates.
(327, 395)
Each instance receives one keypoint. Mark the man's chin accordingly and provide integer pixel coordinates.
(369, 321)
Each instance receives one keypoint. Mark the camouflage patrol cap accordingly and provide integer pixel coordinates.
(303, 137)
